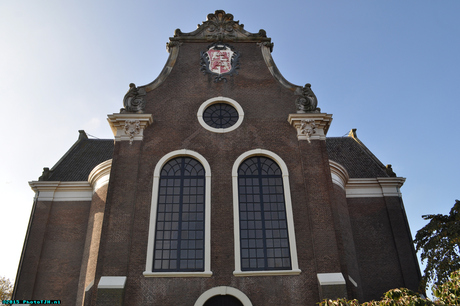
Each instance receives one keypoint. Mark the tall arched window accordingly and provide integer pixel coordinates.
(179, 236)
(263, 225)
(179, 226)
(264, 229)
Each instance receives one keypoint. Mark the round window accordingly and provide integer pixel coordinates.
(220, 115)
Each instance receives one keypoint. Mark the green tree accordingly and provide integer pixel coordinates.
(6, 288)
(446, 294)
(439, 242)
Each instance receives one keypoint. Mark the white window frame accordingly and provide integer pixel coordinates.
(216, 100)
(289, 216)
(153, 214)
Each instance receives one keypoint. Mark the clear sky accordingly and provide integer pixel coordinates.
(389, 68)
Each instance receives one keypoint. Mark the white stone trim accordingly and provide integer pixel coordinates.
(339, 174)
(117, 124)
(352, 281)
(62, 191)
(89, 286)
(321, 122)
(327, 279)
(374, 187)
(112, 282)
(100, 175)
(223, 290)
(153, 213)
(215, 100)
(289, 214)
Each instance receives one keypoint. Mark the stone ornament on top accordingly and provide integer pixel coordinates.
(220, 26)
(133, 101)
(307, 102)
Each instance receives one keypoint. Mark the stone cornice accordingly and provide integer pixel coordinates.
(339, 174)
(311, 126)
(374, 187)
(100, 175)
(62, 191)
(129, 127)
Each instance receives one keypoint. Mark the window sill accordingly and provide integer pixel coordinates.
(267, 273)
(177, 274)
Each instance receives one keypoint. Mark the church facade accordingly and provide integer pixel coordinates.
(220, 188)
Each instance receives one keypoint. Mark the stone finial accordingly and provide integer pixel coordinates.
(307, 102)
(220, 27)
(45, 174)
(133, 101)
(390, 171)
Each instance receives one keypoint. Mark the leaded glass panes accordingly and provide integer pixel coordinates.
(264, 241)
(179, 230)
(220, 115)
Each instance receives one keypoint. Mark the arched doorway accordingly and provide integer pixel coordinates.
(223, 300)
(223, 296)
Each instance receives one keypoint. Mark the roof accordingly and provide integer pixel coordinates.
(80, 159)
(355, 157)
(86, 154)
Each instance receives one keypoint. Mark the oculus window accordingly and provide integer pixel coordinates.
(179, 236)
(263, 225)
(220, 115)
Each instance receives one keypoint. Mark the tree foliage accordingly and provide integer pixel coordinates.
(6, 288)
(446, 294)
(439, 242)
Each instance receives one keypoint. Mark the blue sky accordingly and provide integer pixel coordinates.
(388, 68)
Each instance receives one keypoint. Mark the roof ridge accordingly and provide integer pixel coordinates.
(354, 136)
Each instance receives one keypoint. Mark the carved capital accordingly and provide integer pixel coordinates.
(313, 126)
(129, 127)
(307, 128)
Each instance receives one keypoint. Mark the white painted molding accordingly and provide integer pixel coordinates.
(289, 214)
(89, 286)
(153, 214)
(118, 121)
(374, 187)
(327, 279)
(177, 274)
(352, 281)
(215, 100)
(320, 121)
(112, 282)
(223, 290)
(339, 174)
(100, 175)
(267, 273)
(62, 191)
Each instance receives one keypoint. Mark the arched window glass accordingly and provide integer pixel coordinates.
(180, 221)
(264, 238)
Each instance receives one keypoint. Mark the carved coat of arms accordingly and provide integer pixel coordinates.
(220, 60)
